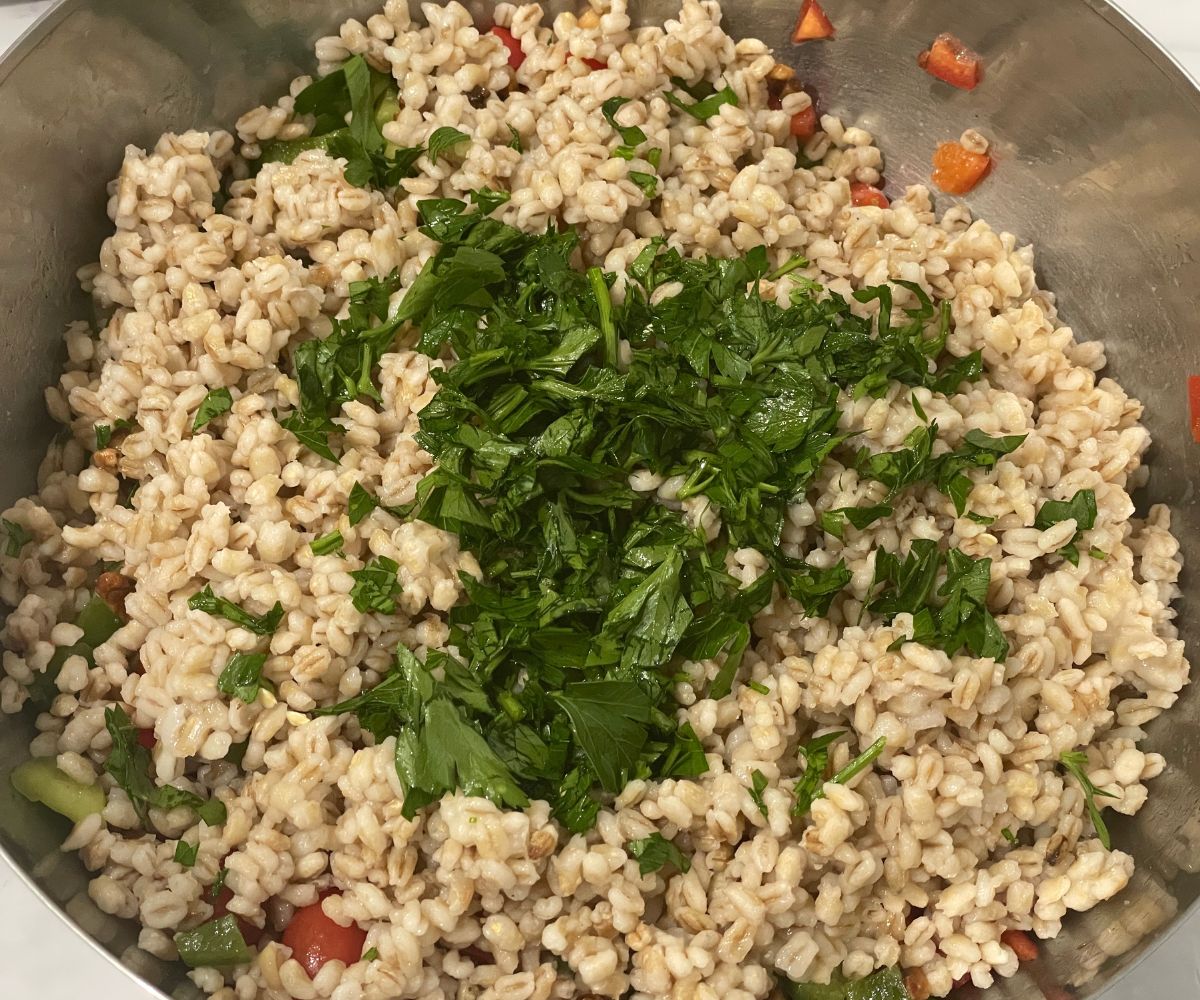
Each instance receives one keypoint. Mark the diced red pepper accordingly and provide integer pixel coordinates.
(145, 737)
(1194, 405)
(315, 939)
(952, 62)
(596, 63)
(864, 194)
(813, 23)
(804, 124)
(956, 170)
(1023, 946)
(250, 933)
(515, 55)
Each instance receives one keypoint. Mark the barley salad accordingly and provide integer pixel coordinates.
(531, 523)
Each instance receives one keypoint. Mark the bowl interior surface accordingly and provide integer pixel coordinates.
(1097, 141)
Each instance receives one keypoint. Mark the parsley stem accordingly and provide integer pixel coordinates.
(861, 762)
(604, 304)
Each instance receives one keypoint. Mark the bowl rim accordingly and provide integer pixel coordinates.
(1130, 27)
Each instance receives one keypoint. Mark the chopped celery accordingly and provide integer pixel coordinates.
(216, 943)
(40, 780)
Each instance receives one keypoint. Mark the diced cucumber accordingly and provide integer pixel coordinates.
(40, 780)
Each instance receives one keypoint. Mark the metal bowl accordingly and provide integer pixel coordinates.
(1097, 134)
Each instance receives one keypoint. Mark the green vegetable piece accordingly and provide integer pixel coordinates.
(16, 537)
(217, 401)
(655, 852)
(443, 140)
(703, 110)
(375, 586)
(328, 543)
(185, 853)
(40, 780)
(242, 676)
(883, 984)
(220, 607)
(370, 955)
(758, 785)
(98, 621)
(1076, 762)
(218, 943)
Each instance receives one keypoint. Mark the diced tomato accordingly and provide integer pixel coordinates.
(315, 939)
(804, 124)
(956, 170)
(250, 933)
(864, 194)
(1022, 944)
(952, 62)
(146, 738)
(1194, 405)
(515, 55)
(596, 63)
(812, 23)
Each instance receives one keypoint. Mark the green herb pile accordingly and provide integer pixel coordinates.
(592, 594)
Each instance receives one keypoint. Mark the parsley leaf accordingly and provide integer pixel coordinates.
(808, 787)
(631, 135)
(515, 141)
(104, 432)
(705, 109)
(647, 182)
(16, 537)
(217, 401)
(375, 586)
(242, 676)
(655, 852)
(1076, 762)
(185, 853)
(758, 785)
(130, 765)
(1081, 507)
(443, 140)
(370, 955)
(208, 602)
(1008, 835)
(330, 542)
(609, 719)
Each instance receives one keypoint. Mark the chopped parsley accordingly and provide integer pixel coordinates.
(591, 593)
(706, 100)
(631, 135)
(217, 401)
(208, 602)
(16, 537)
(1008, 835)
(185, 853)
(130, 765)
(758, 785)
(1081, 507)
(810, 786)
(370, 955)
(369, 99)
(443, 140)
(104, 432)
(1076, 762)
(242, 676)
(375, 586)
(655, 852)
(327, 543)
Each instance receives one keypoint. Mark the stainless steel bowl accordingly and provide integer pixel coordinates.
(1097, 135)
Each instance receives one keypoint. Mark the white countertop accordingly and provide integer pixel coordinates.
(39, 960)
